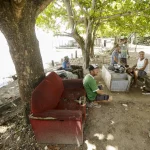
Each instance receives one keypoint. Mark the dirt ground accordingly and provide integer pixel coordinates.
(124, 124)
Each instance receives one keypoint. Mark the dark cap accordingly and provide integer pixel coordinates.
(93, 66)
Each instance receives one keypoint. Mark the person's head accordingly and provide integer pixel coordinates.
(66, 58)
(93, 69)
(121, 40)
(117, 47)
(125, 40)
(141, 54)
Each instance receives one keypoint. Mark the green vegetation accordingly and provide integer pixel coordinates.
(84, 20)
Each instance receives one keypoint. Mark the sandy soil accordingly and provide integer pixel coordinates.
(123, 124)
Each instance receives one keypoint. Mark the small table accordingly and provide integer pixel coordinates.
(118, 82)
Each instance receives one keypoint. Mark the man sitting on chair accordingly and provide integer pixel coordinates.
(66, 64)
(141, 68)
(94, 92)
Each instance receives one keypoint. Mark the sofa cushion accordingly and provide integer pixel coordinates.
(73, 84)
(47, 94)
(73, 94)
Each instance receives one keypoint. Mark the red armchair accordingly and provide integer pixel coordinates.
(56, 117)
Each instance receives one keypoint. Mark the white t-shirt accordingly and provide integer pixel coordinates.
(140, 64)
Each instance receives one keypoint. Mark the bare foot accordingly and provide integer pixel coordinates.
(110, 99)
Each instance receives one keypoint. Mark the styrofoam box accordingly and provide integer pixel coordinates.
(116, 81)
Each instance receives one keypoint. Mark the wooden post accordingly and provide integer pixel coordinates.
(76, 56)
(53, 63)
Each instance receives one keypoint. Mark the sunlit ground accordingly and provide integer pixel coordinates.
(101, 136)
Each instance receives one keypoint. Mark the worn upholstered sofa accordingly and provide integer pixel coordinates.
(57, 111)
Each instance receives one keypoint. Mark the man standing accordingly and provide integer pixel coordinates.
(141, 68)
(94, 92)
(124, 52)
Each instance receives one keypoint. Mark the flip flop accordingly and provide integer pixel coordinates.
(146, 93)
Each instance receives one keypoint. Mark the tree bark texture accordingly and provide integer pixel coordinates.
(17, 23)
(92, 49)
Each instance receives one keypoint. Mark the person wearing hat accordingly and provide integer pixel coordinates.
(94, 92)
(72, 68)
(66, 64)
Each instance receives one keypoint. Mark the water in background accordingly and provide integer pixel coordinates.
(47, 44)
(48, 52)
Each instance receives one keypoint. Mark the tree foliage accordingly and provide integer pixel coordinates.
(112, 17)
(91, 18)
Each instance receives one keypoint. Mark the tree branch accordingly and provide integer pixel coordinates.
(74, 31)
(81, 7)
(93, 4)
(123, 14)
(17, 7)
(70, 13)
(41, 5)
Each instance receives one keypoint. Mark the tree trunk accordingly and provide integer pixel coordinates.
(92, 48)
(88, 42)
(25, 53)
(86, 58)
(135, 36)
(116, 40)
(85, 47)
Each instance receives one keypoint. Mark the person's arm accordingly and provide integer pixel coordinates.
(128, 55)
(145, 64)
(95, 88)
(128, 50)
(64, 65)
(115, 59)
(100, 92)
(134, 66)
(69, 66)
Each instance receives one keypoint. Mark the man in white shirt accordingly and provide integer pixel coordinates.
(141, 68)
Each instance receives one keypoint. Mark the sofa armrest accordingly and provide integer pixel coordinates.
(58, 115)
(73, 83)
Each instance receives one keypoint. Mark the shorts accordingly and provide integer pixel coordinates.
(101, 97)
(141, 73)
(123, 61)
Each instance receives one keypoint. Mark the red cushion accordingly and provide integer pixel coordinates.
(73, 94)
(73, 83)
(47, 94)
(60, 115)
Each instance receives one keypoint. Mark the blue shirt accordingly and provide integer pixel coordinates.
(114, 54)
(66, 65)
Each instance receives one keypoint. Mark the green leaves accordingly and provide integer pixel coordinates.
(115, 17)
